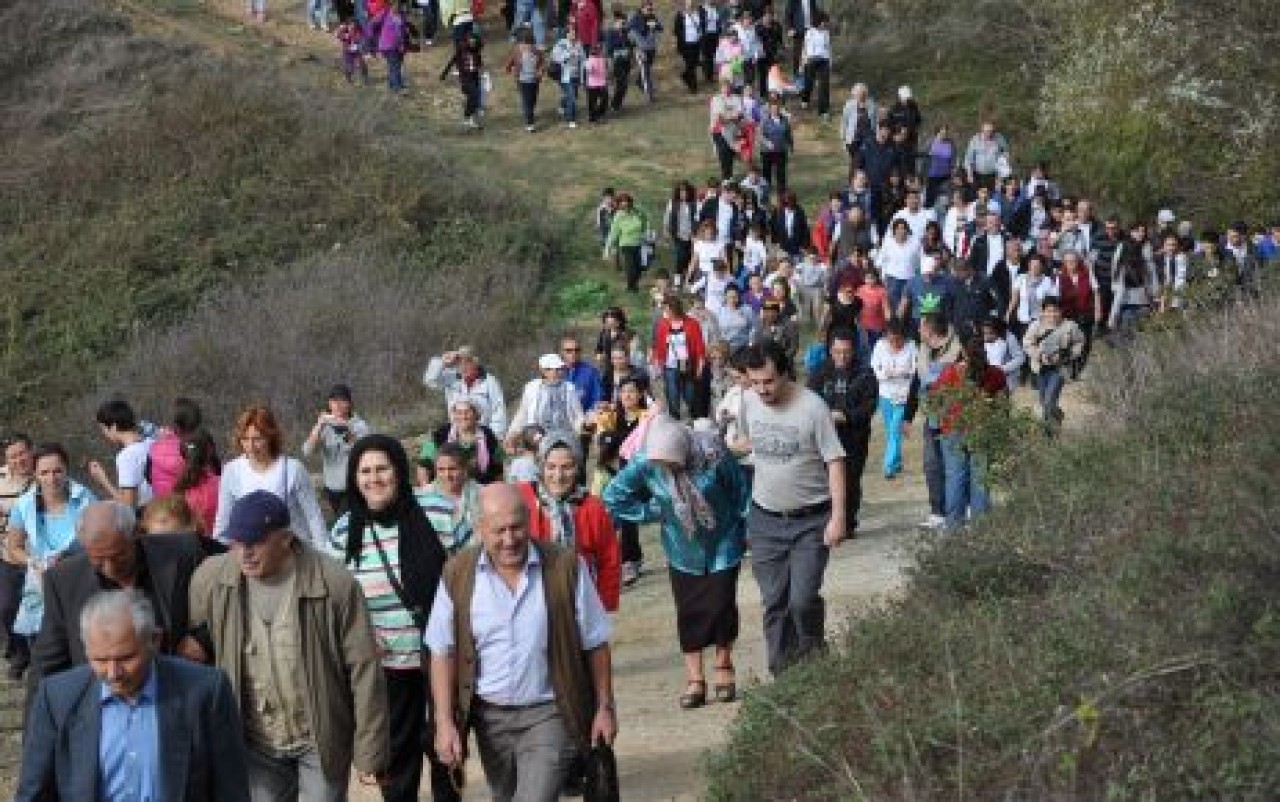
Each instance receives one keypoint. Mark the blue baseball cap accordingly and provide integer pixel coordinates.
(255, 516)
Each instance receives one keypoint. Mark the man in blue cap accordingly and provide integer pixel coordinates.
(290, 628)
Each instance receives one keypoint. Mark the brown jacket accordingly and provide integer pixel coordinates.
(342, 676)
(569, 667)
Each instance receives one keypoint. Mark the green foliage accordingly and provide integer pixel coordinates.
(581, 297)
(1108, 632)
(1137, 105)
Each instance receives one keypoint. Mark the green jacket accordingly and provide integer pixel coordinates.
(342, 674)
(628, 229)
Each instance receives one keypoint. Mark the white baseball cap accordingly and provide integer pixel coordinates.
(550, 362)
(1166, 216)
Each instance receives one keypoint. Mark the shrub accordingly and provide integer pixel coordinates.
(1108, 632)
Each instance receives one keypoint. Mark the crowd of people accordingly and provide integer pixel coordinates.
(220, 630)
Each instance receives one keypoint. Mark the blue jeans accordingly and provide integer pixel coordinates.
(896, 287)
(395, 70)
(1050, 384)
(318, 12)
(529, 11)
(569, 100)
(679, 390)
(934, 475)
(965, 481)
(892, 414)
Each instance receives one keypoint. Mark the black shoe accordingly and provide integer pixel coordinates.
(18, 668)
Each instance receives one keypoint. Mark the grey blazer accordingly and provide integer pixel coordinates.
(199, 737)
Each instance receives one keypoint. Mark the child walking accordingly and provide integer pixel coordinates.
(467, 58)
(351, 37)
(597, 74)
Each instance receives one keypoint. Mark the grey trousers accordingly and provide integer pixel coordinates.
(788, 559)
(524, 750)
(290, 779)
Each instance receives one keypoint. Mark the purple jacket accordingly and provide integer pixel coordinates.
(391, 33)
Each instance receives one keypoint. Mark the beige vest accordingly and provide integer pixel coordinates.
(274, 705)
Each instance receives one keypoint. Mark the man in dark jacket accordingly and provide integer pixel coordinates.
(877, 158)
(973, 300)
(133, 725)
(851, 391)
(159, 568)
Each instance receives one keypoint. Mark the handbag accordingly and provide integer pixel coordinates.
(555, 70)
(602, 775)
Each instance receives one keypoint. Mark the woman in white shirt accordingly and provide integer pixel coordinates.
(898, 260)
(263, 466)
(816, 65)
(706, 250)
(893, 360)
(1029, 289)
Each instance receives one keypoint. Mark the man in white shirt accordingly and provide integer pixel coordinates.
(915, 216)
(526, 661)
(119, 425)
(688, 32)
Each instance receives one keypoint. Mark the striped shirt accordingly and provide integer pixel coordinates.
(452, 518)
(393, 626)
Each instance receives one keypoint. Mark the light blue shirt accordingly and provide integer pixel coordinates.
(510, 631)
(48, 535)
(128, 746)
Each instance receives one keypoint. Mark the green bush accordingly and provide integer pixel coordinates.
(1111, 631)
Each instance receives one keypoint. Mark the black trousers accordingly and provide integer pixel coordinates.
(12, 578)
(411, 738)
(797, 50)
(683, 250)
(817, 84)
(773, 166)
(708, 47)
(629, 541)
(621, 75)
(855, 442)
(471, 95)
(692, 54)
(631, 266)
(724, 152)
(762, 74)
(597, 103)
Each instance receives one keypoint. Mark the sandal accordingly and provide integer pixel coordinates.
(694, 698)
(728, 691)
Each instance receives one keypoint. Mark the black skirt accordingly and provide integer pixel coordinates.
(706, 608)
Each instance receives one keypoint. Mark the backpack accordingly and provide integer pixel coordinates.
(814, 357)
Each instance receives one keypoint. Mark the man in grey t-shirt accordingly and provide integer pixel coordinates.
(797, 502)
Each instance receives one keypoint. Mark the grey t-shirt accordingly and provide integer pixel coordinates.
(790, 448)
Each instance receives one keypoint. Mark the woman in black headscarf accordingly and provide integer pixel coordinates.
(395, 555)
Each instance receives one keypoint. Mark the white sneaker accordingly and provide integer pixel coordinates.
(529, 128)
(934, 522)
(630, 574)
(573, 124)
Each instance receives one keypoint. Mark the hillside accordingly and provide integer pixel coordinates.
(174, 217)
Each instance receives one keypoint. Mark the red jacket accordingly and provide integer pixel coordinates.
(595, 538)
(697, 348)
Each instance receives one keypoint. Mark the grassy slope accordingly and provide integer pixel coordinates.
(144, 175)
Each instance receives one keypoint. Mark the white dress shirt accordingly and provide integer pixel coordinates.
(511, 633)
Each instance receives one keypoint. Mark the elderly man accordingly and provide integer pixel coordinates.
(460, 375)
(550, 401)
(291, 629)
(113, 557)
(132, 725)
(520, 650)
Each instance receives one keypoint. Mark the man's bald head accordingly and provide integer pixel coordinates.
(106, 530)
(503, 524)
(104, 519)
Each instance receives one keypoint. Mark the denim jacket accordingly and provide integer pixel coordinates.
(639, 494)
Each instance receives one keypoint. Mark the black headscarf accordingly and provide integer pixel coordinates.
(422, 557)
